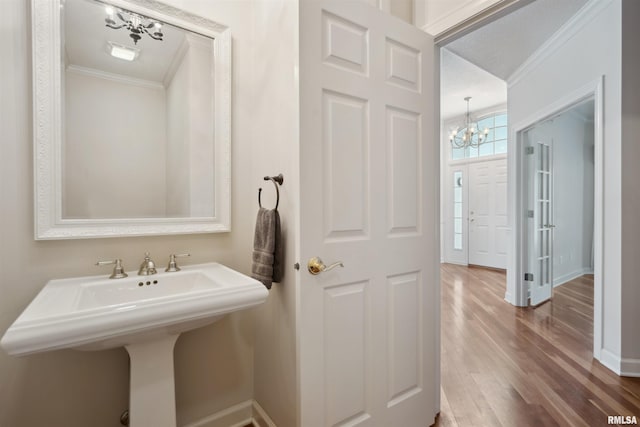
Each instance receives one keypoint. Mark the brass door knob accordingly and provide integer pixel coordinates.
(316, 266)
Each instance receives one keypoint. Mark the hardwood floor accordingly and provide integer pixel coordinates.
(509, 366)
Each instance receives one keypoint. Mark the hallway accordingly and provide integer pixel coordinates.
(508, 366)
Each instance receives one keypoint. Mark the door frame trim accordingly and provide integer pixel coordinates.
(517, 288)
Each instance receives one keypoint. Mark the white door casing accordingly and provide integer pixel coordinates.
(517, 288)
(488, 225)
(541, 225)
(368, 339)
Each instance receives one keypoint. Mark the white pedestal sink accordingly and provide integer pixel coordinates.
(145, 314)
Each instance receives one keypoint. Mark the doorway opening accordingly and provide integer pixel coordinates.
(456, 173)
(587, 101)
(474, 177)
(559, 200)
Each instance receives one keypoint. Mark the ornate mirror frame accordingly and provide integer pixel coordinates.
(47, 129)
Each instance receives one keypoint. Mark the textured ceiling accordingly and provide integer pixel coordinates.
(459, 79)
(479, 63)
(86, 37)
(503, 45)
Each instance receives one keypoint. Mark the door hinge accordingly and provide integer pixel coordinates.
(530, 213)
(528, 277)
(529, 150)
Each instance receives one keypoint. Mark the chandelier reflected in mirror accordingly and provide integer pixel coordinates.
(137, 25)
(470, 135)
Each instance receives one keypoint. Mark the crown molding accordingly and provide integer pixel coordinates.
(118, 78)
(460, 14)
(577, 22)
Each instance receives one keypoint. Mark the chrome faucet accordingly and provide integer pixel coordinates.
(118, 269)
(173, 265)
(147, 267)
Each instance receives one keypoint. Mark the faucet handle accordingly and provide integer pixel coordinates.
(118, 270)
(173, 266)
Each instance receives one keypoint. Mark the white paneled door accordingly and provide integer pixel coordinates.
(488, 213)
(368, 339)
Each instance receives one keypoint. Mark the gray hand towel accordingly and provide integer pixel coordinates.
(267, 248)
(278, 252)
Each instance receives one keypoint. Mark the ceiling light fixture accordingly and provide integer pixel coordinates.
(136, 24)
(469, 136)
(122, 52)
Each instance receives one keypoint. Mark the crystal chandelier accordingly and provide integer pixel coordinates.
(470, 136)
(136, 24)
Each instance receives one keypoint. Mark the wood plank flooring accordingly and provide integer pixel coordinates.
(509, 366)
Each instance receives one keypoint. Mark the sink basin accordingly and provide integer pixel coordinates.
(94, 313)
(145, 314)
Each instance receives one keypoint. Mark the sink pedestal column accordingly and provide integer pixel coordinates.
(152, 399)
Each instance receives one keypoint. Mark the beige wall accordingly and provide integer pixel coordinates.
(276, 151)
(214, 365)
(402, 9)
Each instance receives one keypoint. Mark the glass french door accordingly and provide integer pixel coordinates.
(541, 255)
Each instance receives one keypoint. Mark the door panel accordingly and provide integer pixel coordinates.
(368, 165)
(403, 164)
(345, 145)
(347, 359)
(405, 337)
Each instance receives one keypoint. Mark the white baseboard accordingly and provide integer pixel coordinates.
(610, 360)
(240, 415)
(509, 298)
(260, 417)
(630, 367)
(235, 416)
(455, 263)
(557, 281)
(621, 366)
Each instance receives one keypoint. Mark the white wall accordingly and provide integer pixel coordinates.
(594, 50)
(573, 192)
(104, 156)
(178, 139)
(213, 365)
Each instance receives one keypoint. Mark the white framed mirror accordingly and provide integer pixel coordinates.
(132, 120)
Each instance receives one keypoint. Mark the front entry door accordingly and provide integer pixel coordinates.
(488, 225)
(368, 339)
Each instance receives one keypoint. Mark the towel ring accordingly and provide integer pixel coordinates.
(276, 180)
